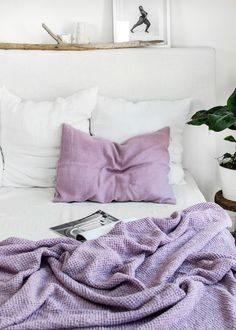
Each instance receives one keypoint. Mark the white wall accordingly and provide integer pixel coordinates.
(194, 23)
(209, 23)
(20, 20)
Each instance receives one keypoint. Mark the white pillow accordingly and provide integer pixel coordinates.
(31, 134)
(119, 120)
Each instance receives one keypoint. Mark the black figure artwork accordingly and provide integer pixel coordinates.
(142, 20)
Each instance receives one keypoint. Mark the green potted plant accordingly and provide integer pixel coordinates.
(218, 119)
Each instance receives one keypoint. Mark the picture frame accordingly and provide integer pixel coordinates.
(144, 20)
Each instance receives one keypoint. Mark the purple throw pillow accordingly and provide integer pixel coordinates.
(99, 170)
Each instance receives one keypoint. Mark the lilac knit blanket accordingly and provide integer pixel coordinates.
(160, 274)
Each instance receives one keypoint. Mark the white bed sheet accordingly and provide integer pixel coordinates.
(29, 212)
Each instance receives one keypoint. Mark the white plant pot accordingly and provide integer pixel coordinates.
(228, 181)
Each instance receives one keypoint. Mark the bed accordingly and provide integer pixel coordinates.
(30, 211)
(162, 267)
(171, 74)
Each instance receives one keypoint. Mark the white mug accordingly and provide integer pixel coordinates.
(66, 38)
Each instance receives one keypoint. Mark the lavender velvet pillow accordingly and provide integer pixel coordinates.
(99, 170)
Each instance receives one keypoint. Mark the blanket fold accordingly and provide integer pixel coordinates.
(167, 274)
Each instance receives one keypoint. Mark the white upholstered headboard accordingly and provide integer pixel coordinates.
(133, 74)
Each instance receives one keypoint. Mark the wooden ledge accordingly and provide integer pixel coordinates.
(225, 203)
(78, 47)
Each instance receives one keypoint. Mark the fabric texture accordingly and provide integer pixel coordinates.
(118, 120)
(99, 170)
(31, 134)
(177, 273)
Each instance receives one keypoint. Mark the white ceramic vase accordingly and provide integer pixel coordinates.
(80, 33)
(228, 181)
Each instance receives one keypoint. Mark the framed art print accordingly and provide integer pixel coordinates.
(141, 20)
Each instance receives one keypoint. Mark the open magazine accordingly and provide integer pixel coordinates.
(90, 227)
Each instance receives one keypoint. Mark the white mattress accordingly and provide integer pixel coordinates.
(29, 212)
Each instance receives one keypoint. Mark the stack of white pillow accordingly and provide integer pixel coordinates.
(30, 132)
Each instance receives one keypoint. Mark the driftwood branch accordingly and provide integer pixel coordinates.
(54, 36)
(80, 47)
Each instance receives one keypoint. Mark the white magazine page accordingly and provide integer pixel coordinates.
(95, 233)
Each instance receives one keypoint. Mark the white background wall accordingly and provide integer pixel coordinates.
(194, 23)
(209, 23)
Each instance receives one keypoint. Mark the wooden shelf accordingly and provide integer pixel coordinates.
(225, 203)
(78, 47)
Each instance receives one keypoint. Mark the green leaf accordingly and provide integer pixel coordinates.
(216, 110)
(227, 156)
(200, 114)
(217, 118)
(204, 113)
(230, 138)
(202, 117)
(218, 123)
(231, 103)
(234, 160)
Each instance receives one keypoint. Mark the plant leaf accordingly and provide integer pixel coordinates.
(218, 123)
(227, 156)
(231, 103)
(230, 138)
(216, 110)
(201, 117)
(200, 114)
(217, 118)
(234, 159)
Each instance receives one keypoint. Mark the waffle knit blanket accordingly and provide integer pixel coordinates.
(160, 274)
